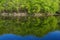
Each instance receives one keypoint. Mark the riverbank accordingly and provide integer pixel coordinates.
(14, 14)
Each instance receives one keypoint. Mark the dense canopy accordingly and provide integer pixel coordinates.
(30, 6)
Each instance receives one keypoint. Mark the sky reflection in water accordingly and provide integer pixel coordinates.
(50, 36)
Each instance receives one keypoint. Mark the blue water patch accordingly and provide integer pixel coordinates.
(15, 37)
(50, 36)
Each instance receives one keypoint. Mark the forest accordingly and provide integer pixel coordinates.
(30, 25)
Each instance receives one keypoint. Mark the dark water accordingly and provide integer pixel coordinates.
(50, 36)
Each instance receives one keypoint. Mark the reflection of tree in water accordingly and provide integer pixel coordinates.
(40, 26)
(48, 24)
(43, 25)
(58, 17)
(29, 25)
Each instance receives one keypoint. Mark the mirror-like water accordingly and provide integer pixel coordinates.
(50, 36)
(38, 26)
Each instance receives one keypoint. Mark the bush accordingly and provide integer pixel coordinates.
(29, 25)
(33, 6)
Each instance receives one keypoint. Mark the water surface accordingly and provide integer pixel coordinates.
(50, 36)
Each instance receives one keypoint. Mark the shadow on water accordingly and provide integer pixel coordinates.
(50, 36)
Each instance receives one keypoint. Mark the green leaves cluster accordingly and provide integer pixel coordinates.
(30, 6)
(28, 25)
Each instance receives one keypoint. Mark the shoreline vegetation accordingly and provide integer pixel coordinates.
(26, 15)
(31, 7)
(12, 10)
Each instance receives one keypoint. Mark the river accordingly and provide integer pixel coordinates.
(50, 36)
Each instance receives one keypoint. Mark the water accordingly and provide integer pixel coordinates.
(15, 37)
(50, 36)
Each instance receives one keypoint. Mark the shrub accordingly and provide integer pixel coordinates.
(33, 6)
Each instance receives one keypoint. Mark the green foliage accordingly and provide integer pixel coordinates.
(31, 6)
(59, 8)
(28, 25)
